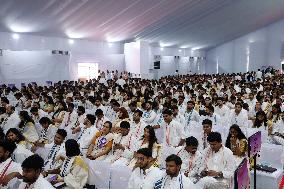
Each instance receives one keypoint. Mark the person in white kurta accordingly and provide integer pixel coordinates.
(238, 116)
(55, 149)
(218, 164)
(191, 158)
(32, 178)
(173, 131)
(7, 166)
(47, 131)
(149, 115)
(100, 119)
(74, 170)
(70, 118)
(137, 127)
(278, 131)
(86, 132)
(12, 120)
(145, 174)
(173, 178)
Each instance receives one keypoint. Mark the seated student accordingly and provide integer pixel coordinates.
(148, 140)
(37, 114)
(9, 169)
(278, 131)
(101, 119)
(237, 143)
(74, 171)
(58, 115)
(47, 132)
(56, 149)
(21, 152)
(218, 164)
(145, 174)
(86, 132)
(120, 153)
(173, 177)
(101, 143)
(27, 127)
(191, 158)
(207, 129)
(32, 177)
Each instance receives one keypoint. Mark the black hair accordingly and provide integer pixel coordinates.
(44, 120)
(72, 148)
(8, 146)
(91, 118)
(214, 137)
(174, 158)
(62, 132)
(27, 118)
(140, 113)
(168, 112)
(191, 141)
(19, 135)
(191, 101)
(34, 109)
(99, 112)
(152, 136)
(207, 121)
(239, 136)
(145, 151)
(82, 109)
(33, 162)
(109, 123)
(124, 125)
(71, 105)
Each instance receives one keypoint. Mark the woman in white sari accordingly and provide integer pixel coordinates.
(101, 143)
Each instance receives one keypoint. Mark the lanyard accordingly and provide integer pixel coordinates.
(5, 170)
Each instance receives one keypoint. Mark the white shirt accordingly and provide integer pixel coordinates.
(137, 131)
(178, 182)
(223, 112)
(40, 183)
(221, 161)
(149, 116)
(192, 115)
(85, 136)
(190, 162)
(7, 167)
(241, 119)
(173, 133)
(278, 127)
(21, 153)
(140, 181)
(69, 119)
(180, 118)
(12, 121)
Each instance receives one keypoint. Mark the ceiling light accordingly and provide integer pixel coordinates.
(179, 50)
(71, 41)
(161, 48)
(110, 44)
(20, 28)
(16, 36)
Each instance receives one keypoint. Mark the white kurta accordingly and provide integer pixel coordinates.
(11, 121)
(85, 137)
(221, 161)
(241, 119)
(7, 167)
(139, 180)
(179, 182)
(149, 117)
(278, 127)
(41, 183)
(173, 133)
(191, 163)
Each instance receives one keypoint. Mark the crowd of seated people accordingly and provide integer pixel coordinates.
(182, 131)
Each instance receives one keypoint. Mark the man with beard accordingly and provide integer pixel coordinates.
(145, 174)
(8, 168)
(173, 178)
(32, 177)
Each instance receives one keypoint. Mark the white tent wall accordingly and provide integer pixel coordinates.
(263, 47)
(36, 50)
(32, 66)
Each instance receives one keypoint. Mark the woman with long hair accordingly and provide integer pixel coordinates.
(260, 120)
(21, 152)
(148, 140)
(237, 142)
(101, 143)
(58, 115)
(122, 115)
(27, 127)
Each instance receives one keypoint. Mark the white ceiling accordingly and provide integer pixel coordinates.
(178, 23)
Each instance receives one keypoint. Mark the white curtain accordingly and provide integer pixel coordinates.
(18, 67)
